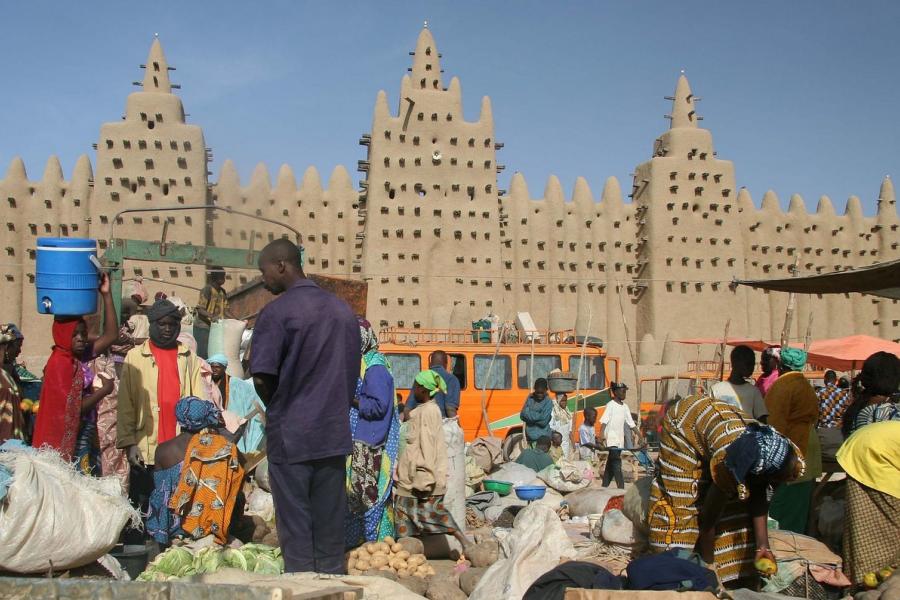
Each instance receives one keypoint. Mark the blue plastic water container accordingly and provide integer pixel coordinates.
(66, 276)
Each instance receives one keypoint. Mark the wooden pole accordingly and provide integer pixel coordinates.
(789, 312)
(808, 341)
(628, 341)
(722, 351)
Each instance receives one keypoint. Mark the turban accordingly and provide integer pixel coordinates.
(793, 358)
(161, 309)
(194, 414)
(432, 382)
(218, 359)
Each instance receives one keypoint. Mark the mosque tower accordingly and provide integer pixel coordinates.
(152, 159)
(430, 249)
(689, 231)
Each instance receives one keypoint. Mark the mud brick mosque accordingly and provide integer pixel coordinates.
(440, 244)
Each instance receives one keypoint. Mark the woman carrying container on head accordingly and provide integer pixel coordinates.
(421, 477)
(66, 393)
(375, 427)
(710, 493)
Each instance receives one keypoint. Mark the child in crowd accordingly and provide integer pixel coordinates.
(537, 458)
(587, 435)
(557, 452)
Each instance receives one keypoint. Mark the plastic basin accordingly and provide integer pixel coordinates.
(530, 492)
(501, 487)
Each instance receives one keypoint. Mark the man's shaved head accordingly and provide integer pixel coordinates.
(281, 249)
(280, 265)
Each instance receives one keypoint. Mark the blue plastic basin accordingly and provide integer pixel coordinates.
(530, 492)
(65, 276)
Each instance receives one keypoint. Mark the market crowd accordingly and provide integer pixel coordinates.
(349, 461)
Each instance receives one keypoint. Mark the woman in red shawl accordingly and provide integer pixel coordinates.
(62, 401)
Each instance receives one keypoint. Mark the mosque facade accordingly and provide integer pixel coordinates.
(441, 245)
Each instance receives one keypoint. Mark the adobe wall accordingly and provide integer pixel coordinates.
(440, 245)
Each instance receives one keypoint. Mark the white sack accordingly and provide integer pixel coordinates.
(617, 529)
(591, 500)
(514, 473)
(53, 514)
(225, 338)
(535, 545)
(567, 476)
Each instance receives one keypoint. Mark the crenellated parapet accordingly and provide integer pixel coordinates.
(325, 217)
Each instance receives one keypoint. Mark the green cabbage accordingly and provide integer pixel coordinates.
(234, 558)
(267, 565)
(208, 560)
(173, 561)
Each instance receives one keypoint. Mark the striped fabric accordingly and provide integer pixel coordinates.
(833, 403)
(695, 433)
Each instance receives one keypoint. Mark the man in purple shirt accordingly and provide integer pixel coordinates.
(305, 359)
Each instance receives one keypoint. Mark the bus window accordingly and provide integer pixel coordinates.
(543, 364)
(592, 376)
(458, 368)
(405, 367)
(500, 372)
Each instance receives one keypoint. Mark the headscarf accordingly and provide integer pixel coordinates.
(218, 359)
(432, 382)
(369, 344)
(161, 309)
(760, 450)
(772, 351)
(793, 358)
(6, 334)
(13, 330)
(369, 341)
(60, 401)
(194, 414)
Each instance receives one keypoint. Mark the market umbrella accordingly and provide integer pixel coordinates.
(848, 353)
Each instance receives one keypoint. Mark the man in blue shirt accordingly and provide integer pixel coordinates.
(305, 360)
(438, 362)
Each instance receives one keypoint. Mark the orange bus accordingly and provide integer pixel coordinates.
(496, 376)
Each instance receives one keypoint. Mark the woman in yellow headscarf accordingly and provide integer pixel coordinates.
(421, 477)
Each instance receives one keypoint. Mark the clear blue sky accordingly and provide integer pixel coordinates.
(803, 96)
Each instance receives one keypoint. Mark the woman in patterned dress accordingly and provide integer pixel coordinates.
(710, 495)
(375, 427)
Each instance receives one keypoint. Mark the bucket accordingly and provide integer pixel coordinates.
(594, 521)
(132, 558)
(66, 276)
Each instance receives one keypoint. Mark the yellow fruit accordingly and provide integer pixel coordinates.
(885, 573)
(870, 580)
(34, 408)
(766, 566)
(23, 406)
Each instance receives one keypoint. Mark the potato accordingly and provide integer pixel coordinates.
(403, 573)
(389, 541)
(420, 575)
(416, 559)
(398, 564)
(351, 564)
(378, 560)
(403, 554)
(354, 572)
(363, 565)
(371, 547)
(396, 547)
(385, 568)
